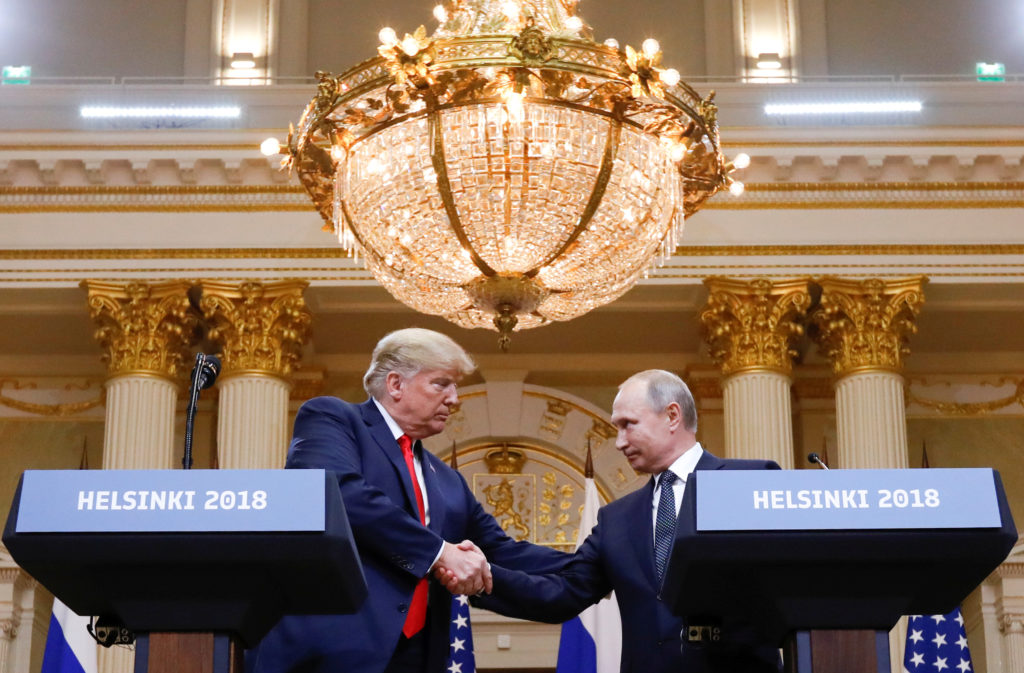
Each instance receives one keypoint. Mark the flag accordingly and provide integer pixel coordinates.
(591, 642)
(460, 639)
(69, 647)
(937, 643)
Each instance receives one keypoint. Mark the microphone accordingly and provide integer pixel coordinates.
(815, 458)
(204, 374)
(206, 371)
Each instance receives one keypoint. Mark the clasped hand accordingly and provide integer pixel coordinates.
(463, 569)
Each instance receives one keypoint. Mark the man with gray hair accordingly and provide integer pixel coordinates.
(627, 550)
(410, 513)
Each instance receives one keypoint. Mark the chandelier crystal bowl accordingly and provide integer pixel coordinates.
(508, 171)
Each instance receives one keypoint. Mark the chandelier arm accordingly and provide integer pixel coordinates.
(604, 174)
(444, 188)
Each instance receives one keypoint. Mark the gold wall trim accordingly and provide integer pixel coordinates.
(729, 132)
(60, 410)
(158, 208)
(582, 410)
(104, 190)
(336, 252)
(969, 408)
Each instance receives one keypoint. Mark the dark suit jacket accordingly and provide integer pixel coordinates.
(395, 549)
(619, 555)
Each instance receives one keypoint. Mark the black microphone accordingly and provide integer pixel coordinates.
(815, 458)
(204, 374)
(206, 371)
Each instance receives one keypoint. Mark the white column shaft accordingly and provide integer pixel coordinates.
(139, 430)
(252, 422)
(871, 421)
(759, 417)
(1013, 643)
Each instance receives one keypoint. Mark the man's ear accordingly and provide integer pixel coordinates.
(393, 385)
(675, 416)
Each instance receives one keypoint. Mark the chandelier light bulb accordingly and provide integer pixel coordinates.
(741, 160)
(270, 147)
(736, 188)
(337, 153)
(574, 23)
(650, 47)
(387, 36)
(611, 42)
(511, 9)
(410, 45)
(440, 13)
(678, 152)
(669, 76)
(375, 166)
(514, 105)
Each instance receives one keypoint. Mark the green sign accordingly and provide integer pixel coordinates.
(16, 74)
(990, 72)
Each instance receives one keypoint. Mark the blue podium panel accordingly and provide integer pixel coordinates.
(245, 549)
(194, 501)
(786, 551)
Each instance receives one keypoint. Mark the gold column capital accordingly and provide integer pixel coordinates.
(144, 328)
(751, 324)
(865, 325)
(260, 327)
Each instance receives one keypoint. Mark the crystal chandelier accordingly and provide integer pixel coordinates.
(508, 170)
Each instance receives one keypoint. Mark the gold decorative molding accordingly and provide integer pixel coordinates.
(552, 422)
(814, 389)
(864, 325)
(505, 460)
(62, 409)
(969, 408)
(752, 325)
(334, 252)
(260, 327)
(143, 328)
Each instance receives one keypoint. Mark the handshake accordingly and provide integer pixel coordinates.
(463, 569)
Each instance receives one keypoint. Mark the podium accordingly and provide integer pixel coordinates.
(199, 563)
(824, 563)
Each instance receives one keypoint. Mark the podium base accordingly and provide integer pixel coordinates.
(837, 651)
(176, 652)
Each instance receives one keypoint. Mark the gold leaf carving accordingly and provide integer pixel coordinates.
(143, 328)
(259, 326)
(753, 324)
(867, 324)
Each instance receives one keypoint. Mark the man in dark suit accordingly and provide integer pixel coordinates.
(627, 550)
(406, 507)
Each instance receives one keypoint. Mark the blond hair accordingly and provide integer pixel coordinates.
(409, 351)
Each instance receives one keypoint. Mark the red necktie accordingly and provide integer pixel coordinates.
(417, 616)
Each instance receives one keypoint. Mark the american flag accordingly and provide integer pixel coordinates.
(460, 638)
(937, 643)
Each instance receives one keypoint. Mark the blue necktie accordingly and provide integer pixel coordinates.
(665, 526)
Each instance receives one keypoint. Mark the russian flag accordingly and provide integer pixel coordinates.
(69, 647)
(591, 642)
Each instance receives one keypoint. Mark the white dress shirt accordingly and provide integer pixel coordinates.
(682, 467)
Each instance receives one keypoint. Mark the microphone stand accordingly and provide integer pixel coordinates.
(204, 373)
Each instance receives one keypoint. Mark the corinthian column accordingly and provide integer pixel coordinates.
(750, 327)
(863, 328)
(145, 331)
(260, 328)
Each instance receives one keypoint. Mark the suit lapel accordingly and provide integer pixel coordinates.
(640, 515)
(431, 487)
(381, 434)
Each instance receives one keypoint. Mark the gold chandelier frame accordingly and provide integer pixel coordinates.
(418, 79)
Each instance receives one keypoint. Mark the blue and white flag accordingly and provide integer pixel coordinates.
(937, 643)
(69, 647)
(460, 638)
(591, 642)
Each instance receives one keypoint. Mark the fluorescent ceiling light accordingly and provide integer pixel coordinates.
(841, 108)
(112, 112)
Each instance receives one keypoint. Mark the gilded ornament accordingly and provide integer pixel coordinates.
(260, 327)
(751, 325)
(969, 408)
(505, 460)
(143, 328)
(531, 45)
(867, 324)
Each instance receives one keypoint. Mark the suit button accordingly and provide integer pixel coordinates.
(403, 607)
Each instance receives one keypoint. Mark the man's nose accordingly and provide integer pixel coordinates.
(452, 398)
(620, 440)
